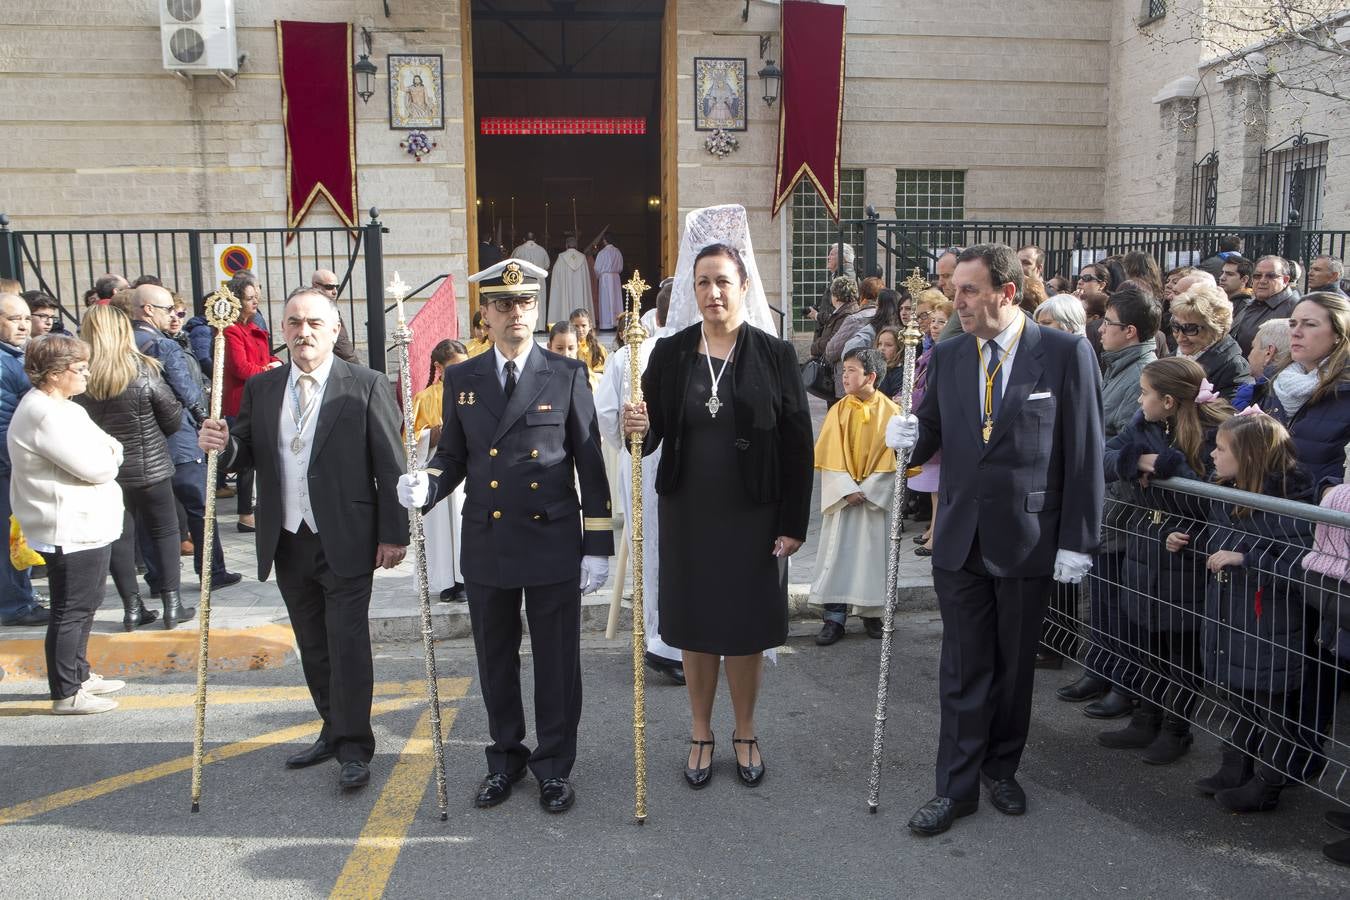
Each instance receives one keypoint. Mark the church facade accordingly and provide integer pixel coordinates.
(1041, 110)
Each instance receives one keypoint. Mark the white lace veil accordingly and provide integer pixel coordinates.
(716, 225)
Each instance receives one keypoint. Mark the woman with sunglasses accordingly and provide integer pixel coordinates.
(1201, 317)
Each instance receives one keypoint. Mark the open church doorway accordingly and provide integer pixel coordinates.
(568, 104)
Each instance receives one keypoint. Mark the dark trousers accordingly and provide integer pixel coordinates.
(16, 586)
(990, 629)
(189, 488)
(76, 581)
(243, 482)
(153, 507)
(554, 613)
(331, 619)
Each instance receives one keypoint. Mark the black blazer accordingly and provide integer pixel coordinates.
(774, 447)
(520, 461)
(354, 465)
(1037, 486)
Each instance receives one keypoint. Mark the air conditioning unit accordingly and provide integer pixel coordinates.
(197, 36)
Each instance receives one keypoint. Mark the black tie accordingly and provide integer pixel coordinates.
(510, 378)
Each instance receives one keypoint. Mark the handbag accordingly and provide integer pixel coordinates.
(818, 378)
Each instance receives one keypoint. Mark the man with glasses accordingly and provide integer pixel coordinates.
(328, 284)
(18, 604)
(1272, 299)
(154, 308)
(45, 310)
(520, 431)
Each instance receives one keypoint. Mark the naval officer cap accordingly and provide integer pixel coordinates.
(509, 278)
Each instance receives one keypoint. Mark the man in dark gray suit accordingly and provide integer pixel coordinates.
(323, 436)
(1016, 412)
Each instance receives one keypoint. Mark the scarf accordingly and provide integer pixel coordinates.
(853, 438)
(1293, 387)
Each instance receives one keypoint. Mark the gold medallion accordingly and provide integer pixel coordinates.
(988, 429)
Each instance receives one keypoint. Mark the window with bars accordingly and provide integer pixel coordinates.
(1205, 190)
(1152, 11)
(813, 231)
(928, 194)
(1292, 180)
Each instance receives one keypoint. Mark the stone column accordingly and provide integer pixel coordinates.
(1176, 149)
(1241, 140)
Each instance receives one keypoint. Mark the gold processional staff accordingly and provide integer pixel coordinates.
(632, 338)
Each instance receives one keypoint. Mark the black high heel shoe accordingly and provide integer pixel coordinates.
(750, 775)
(699, 778)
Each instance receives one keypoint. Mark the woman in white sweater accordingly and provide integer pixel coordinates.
(67, 501)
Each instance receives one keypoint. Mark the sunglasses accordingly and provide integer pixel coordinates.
(1089, 278)
(327, 287)
(506, 304)
(1263, 276)
(180, 314)
(1189, 329)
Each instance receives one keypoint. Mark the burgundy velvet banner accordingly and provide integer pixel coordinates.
(318, 115)
(811, 102)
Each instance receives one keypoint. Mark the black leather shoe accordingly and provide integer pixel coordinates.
(496, 788)
(1112, 706)
(319, 751)
(1089, 687)
(245, 529)
(458, 593)
(1338, 851)
(874, 628)
(751, 775)
(556, 795)
(355, 774)
(1048, 659)
(33, 615)
(1338, 820)
(698, 778)
(938, 814)
(1006, 795)
(830, 633)
(667, 667)
(224, 580)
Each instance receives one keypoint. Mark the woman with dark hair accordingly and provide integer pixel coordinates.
(886, 313)
(1140, 266)
(726, 405)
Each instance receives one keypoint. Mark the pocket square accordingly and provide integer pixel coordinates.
(1043, 395)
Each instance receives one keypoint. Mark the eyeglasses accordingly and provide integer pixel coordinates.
(46, 317)
(157, 306)
(506, 304)
(1263, 276)
(180, 314)
(1121, 325)
(1089, 278)
(327, 287)
(1190, 329)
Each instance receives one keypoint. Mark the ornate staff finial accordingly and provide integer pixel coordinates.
(916, 282)
(222, 308)
(636, 287)
(399, 290)
(633, 332)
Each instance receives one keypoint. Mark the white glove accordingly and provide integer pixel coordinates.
(902, 433)
(1071, 566)
(594, 573)
(412, 490)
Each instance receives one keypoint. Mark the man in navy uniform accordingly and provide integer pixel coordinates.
(520, 430)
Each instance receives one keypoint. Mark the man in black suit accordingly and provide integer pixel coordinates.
(323, 436)
(520, 430)
(1016, 411)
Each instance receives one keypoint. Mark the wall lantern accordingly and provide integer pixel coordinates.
(772, 78)
(365, 71)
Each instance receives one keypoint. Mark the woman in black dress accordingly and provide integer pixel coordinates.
(725, 401)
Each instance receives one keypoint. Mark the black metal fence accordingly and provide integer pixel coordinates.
(66, 263)
(894, 247)
(1240, 627)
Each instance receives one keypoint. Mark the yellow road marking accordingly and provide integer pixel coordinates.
(449, 689)
(105, 786)
(377, 848)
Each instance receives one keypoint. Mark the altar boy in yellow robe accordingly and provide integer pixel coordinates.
(857, 479)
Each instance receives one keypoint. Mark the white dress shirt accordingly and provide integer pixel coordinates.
(295, 502)
(519, 361)
(1008, 339)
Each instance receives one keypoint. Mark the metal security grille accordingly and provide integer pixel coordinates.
(1247, 646)
(1156, 9)
(930, 194)
(813, 231)
(1205, 190)
(1292, 180)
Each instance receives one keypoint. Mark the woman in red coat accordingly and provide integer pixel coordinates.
(248, 352)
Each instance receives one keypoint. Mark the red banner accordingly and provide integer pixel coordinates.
(319, 117)
(437, 320)
(811, 102)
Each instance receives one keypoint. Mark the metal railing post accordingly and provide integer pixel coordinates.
(869, 244)
(374, 240)
(198, 279)
(9, 259)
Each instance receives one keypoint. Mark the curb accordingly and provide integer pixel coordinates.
(159, 652)
(450, 621)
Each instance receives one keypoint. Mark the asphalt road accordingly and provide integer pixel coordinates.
(99, 806)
